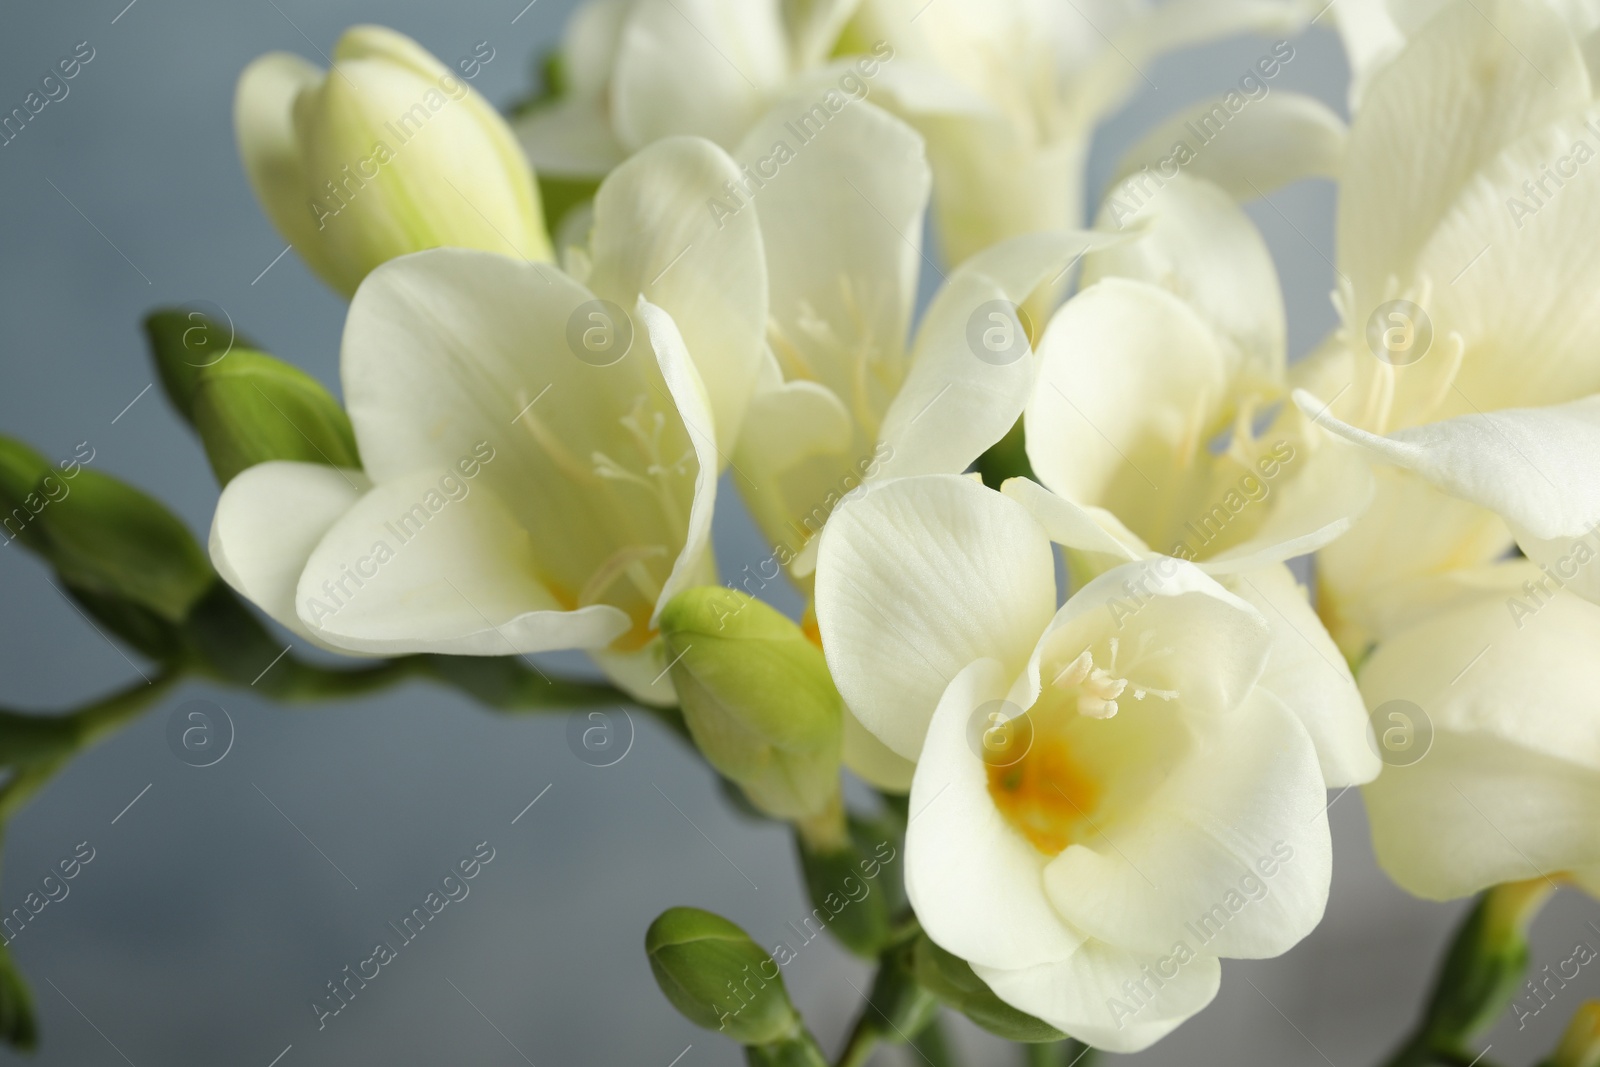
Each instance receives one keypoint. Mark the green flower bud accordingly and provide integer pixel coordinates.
(1580, 1045)
(183, 343)
(719, 978)
(951, 979)
(21, 472)
(757, 697)
(106, 538)
(251, 408)
(389, 153)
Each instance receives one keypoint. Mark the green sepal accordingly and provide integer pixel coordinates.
(183, 343)
(251, 408)
(951, 979)
(835, 878)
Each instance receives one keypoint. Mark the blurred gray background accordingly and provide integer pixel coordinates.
(208, 921)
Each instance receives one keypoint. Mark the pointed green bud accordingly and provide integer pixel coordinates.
(1580, 1045)
(183, 343)
(251, 408)
(757, 697)
(951, 979)
(719, 978)
(22, 470)
(107, 538)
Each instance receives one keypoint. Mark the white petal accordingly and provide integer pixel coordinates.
(873, 761)
(1087, 994)
(1308, 673)
(703, 67)
(1533, 467)
(689, 394)
(570, 139)
(1093, 530)
(1464, 88)
(918, 578)
(1273, 141)
(655, 235)
(269, 520)
(1231, 855)
(976, 883)
(263, 121)
(954, 404)
(1195, 242)
(409, 568)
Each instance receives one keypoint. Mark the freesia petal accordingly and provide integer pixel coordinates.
(411, 569)
(570, 139)
(1308, 673)
(1087, 996)
(1073, 526)
(873, 761)
(269, 520)
(702, 67)
(1198, 244)
(976, 884)
(1473, 80)
(263, 122)
(654, 235)
(1533, 467)
(916, 579)
(1274, 141)
(1231, 855)
(955, 403)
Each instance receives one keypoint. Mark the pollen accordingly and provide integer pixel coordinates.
(1046, 795)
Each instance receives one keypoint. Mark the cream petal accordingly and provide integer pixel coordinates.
(570, 139)
(268, 522)
(1231, 855)
(1194, 241)
(655, 236)
(1471, 82)
(873, 761)
(1092, 530)
(263, 122)
(956, 403)
(917, 578)
(975, 883)
(1087, 995)
(701, 67)
(1271, 142)
(410, 568)
(1308, 673)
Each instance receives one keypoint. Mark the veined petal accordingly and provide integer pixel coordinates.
(413, 567)
(1231, 855)
(654, 235)
(962, 394)
(977, 884)
(1270, 142)
(1308, 673)
(916, 579)
(269, 520)
(1086, 995)
(1472, 81)
(702, 67)
(1194, 241)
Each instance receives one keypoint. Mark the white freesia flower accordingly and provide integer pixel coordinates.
(1152, 422)
(388, 153)
(522, 492)
(1505, 679)
(1009, 92)
(1466, 279)
(1160, 810)
(640, 70)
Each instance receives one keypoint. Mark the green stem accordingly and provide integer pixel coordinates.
(934, 1045)
(1068, 1053)
(863, 1040)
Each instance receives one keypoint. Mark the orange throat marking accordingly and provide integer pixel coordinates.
(1046, 794)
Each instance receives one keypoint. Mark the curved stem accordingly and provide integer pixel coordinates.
(863, 1040)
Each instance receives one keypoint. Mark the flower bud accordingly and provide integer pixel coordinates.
(757, 697)
(183, 343)
(719, 978)
(1580, 1045)
(250, 408)
(388, 153)
(105, 537)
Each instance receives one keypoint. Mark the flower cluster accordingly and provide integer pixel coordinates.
(1052, 534)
